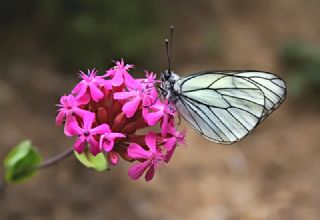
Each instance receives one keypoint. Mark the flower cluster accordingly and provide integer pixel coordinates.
(106, 113)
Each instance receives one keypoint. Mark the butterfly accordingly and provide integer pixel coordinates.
(223, 106)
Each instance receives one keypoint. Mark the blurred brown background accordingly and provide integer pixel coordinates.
(272, 174)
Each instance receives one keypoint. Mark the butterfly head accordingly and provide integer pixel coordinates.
(165, 75)
(168, 80)
(169, 77)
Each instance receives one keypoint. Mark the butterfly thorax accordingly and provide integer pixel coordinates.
(168, 81)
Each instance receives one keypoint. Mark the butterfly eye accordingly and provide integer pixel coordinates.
(166, 75)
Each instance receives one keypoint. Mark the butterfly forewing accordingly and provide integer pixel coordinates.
(225, 106)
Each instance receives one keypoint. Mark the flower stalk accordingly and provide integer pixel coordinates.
(54, 160)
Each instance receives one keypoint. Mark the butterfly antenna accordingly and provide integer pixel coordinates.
(171, 35)
(168, 54)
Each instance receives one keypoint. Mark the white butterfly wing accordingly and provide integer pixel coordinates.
(225, 106)
(272, 86)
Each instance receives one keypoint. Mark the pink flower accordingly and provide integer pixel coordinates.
(69, 106)
(134, 99)
(107, 139)
(159, 110)
(176, 137)
(86, 133)
(150, 78)
(149, 84)
(170, 143)
(120, 75)
(113, 157)
(150, 159)
(114, 115)
(90, 83)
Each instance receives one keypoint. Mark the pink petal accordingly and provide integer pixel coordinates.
(154, 93)
(153, 118)
(170, 143)
(131, 107)
(88, 119)
(135, 151)
(108, 129)
(78, 87)
(130, 81)
(82, 92)
(63, 99)
(124, 95)
(96, 93)
(181, 137)
(109, 73)
(117, 79)
(159, 106)
(149, 99)
(113, 158)
(94, 146)
(101, 129)
(150, 139)
(145, 113)
(169, 108)
(107, 145)
(165, 125)
(107, 140)
(146, 101)
(107, 85)
(60, 117)
(116, 135)
(79, 145)
(169, 155)
(84, 99)
(171, 127)
(80, 112)
(68, 131)
(136, 171)
(150, 173)
(72, 127)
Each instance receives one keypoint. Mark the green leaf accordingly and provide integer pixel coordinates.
(20, 162)
(97, 162)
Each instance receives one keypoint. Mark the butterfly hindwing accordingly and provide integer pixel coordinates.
(272, 86)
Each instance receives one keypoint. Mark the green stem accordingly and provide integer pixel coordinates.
(54, 160)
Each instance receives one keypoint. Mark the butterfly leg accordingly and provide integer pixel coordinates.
(179, 120)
